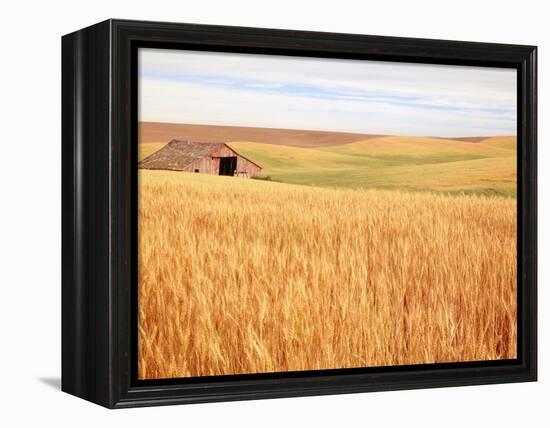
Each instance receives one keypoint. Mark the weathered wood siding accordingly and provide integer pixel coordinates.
(205, 165)
(244, 165)
(211, 164)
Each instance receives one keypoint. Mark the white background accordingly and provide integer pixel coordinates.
(30, 212)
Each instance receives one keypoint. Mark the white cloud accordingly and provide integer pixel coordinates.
(326, 94)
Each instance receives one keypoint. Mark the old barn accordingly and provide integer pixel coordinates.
(206, 158)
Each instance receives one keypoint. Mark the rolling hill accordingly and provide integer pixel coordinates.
(391, 163)
(484, 166)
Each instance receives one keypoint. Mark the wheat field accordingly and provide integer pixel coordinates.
(244, 276)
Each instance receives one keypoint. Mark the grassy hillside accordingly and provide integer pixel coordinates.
(503, 142)
(484, 167)
(419, 149)
(406, 163)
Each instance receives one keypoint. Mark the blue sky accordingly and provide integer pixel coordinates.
(325, 94)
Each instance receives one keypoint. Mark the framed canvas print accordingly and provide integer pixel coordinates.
(253, 213)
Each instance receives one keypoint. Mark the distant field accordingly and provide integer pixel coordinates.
(477, 165)
(249, 276)
(405, 163)
(153, 132)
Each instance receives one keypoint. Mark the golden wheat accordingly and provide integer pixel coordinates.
(241, 276)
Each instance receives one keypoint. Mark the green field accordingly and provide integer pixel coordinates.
(407, 163)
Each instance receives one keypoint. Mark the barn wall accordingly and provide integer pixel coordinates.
(224, 151)
(205, 165)
(244, 165)
(211, 164)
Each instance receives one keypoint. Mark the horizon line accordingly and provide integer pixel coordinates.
(333, 131)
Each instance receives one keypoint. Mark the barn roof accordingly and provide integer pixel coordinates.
(178, 154)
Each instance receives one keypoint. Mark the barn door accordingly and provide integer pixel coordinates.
(228, 165)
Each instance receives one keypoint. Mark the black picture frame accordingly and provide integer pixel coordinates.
(99, 225)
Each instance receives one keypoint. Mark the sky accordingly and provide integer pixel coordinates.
(370, 97)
